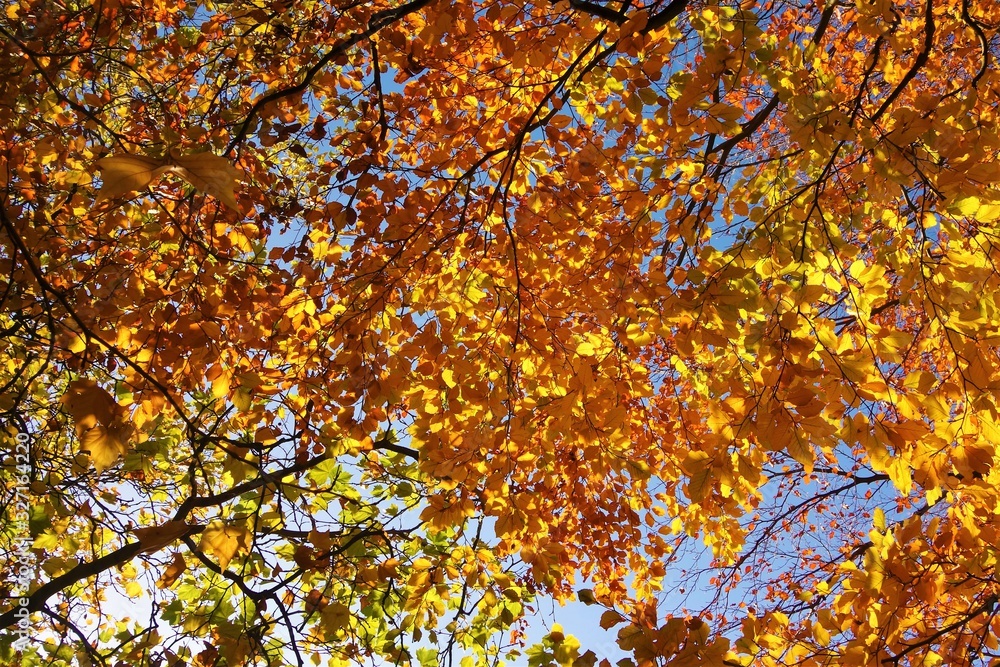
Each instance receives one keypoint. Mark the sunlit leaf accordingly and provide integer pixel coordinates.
(126, 174)
(224, 541)
(173, 571)
(100, 422)
(155, 538)
(210, 174)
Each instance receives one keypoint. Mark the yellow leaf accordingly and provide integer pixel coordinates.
(105, 444)
(224, 541)
(99, 420)
(800, 450)
(421, 564)
(728, 112)
(208, 173)
(964, 206)
(638, 335)
(821, 634)
(567, 651)
(242, 400)
(124, 174)
(698, 466)
(77, 343)
(875, 569)
(221, 385)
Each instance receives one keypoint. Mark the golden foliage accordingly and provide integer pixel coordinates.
(445, 308)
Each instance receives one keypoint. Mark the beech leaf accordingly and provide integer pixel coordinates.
(611, 618)
(209, 174)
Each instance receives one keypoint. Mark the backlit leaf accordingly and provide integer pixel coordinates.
(101, 424)
(173, 571)
(126, 174)
(156, 537)
(208, 173)
(224, 541)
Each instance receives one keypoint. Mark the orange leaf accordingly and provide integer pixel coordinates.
(173, 571)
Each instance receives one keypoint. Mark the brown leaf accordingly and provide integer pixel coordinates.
(316, 600)
(611, 618)
(89, 404)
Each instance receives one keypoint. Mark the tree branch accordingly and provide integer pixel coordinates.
(375, 23)
(86, 570)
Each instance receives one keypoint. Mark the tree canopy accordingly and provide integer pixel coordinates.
(345, 332)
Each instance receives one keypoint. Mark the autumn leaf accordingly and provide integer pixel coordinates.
(698, 465)
(666, 294)
(173, 571)
(316, 601)
(242, 399)
(224, 541)
(125, 174)
(611, 618)
(100, 422)
(207, 173)
(156, 537)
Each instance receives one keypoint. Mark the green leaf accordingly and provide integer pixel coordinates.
(427, 657)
